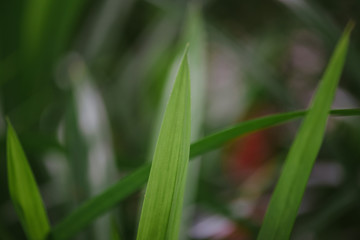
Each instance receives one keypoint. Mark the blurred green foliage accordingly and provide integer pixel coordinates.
(82, 82)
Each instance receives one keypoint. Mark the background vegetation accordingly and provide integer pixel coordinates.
(85, 83)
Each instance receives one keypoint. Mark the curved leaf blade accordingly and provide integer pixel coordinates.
(100, 204)
(286, 199)
(24, 191)
(217, 139)
(96, 206)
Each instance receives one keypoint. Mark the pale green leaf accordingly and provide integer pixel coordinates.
(161, 211)
(286, 199)
(24, 191)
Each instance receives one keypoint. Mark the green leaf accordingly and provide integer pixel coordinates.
(162, 207)
(103, 202)
(100, 204)
(217, 139)
(24, 191)
(286, 199)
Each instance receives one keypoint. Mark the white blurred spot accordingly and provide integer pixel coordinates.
(212, 227)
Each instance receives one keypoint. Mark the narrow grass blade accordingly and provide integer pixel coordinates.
(98, 205)
(286, 199)
(24, 191)
(217, 139)
(161, 211)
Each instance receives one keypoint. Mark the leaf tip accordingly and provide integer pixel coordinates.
(9, 125)
(186, 48)
(350, 26)
(8, 122)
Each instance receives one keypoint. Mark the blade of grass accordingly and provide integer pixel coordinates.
(98, 205)
(162, 207)
(94, 207)
(24, 191)
(286, 199)
(217, 139)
